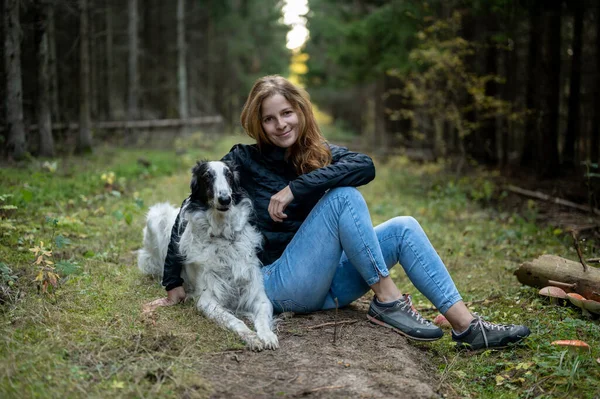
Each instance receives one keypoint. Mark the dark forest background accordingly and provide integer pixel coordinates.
(506, 83)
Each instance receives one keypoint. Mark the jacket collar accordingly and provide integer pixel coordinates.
(273, 153)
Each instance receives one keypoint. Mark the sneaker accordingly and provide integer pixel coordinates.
(402, 317)
(482, 334)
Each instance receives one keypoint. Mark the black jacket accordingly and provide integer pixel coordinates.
(262, 175)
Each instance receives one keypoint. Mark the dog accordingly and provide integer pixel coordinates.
(219, 247)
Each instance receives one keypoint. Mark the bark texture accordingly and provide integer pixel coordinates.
(132, 70)
(14, 89)
(84, 142)
(181, 60)
(44, 108)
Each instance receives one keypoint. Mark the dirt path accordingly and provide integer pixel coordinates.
(366, 362)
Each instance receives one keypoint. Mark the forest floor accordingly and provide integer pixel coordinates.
(88, 337)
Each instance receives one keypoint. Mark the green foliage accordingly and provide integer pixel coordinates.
(357, 42)
(444, 88)
(6, 275)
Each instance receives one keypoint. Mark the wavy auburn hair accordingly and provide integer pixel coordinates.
(309, 152)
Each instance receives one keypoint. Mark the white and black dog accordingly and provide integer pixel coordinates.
(219, 247)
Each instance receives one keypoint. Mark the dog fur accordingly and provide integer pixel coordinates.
(218, 245)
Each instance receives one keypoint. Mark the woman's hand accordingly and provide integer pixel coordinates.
(174, 296)
(279, 202)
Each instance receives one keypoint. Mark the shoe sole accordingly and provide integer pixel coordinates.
(381, 323)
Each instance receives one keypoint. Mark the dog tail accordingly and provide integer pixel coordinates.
(157, 233)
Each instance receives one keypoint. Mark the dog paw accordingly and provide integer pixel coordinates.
(269, 339)
(253, 342)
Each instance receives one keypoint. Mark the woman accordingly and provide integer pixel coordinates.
(320, 249)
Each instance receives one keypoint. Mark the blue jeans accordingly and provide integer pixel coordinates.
(337, 253)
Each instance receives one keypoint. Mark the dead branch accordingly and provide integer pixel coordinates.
(580, 229)
(138, 124)
(332, 323)
(578, 249)
(335, 324)
(555, 200)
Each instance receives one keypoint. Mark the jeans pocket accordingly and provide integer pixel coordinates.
(288, 305)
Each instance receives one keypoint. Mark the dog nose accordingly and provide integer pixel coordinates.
(224, 199)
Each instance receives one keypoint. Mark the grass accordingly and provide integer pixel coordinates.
(88, 337)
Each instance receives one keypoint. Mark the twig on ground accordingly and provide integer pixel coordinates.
(226, 352)
(576, 243)
(335, 322)
(331, 323)
(325, 388)
(593, 260)
(448, 367)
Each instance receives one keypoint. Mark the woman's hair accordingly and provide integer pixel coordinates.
(310, 151)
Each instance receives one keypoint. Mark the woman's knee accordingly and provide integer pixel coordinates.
(349, 193)
(405, 224)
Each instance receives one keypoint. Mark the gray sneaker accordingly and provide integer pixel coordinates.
(482, 334)
(403, 318)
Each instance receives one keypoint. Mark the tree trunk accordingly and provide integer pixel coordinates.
(547, 162)
(380, 136)
(549, 269)
(132, 70)
(52, 70)
(487, 152)
(530, 144)
(181, 60)
(110, 92)
(570, 157)
(94, 94)
(84, 142)
(43, 93)
(595, 139)
(14, 91)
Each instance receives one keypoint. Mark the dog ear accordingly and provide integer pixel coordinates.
(236, 188)
(197, 189)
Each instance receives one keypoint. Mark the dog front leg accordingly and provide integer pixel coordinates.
(263, 321)
(208, 305)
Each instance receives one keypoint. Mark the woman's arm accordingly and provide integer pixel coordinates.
(347, 168)
(174, 261)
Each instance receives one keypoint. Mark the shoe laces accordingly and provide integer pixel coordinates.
(408, 307)
(488, 326)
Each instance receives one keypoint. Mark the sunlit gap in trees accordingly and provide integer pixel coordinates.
(293, 16)
(294, 12)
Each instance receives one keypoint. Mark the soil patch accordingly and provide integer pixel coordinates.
(366, 361)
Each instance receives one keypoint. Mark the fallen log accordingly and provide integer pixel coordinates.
(560, 272)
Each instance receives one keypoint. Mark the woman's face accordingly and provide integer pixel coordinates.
(279, 121)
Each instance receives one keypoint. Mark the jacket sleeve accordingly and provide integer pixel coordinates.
(173, 261)
(347, 169)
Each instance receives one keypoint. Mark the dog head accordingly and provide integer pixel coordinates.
(214, 184)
